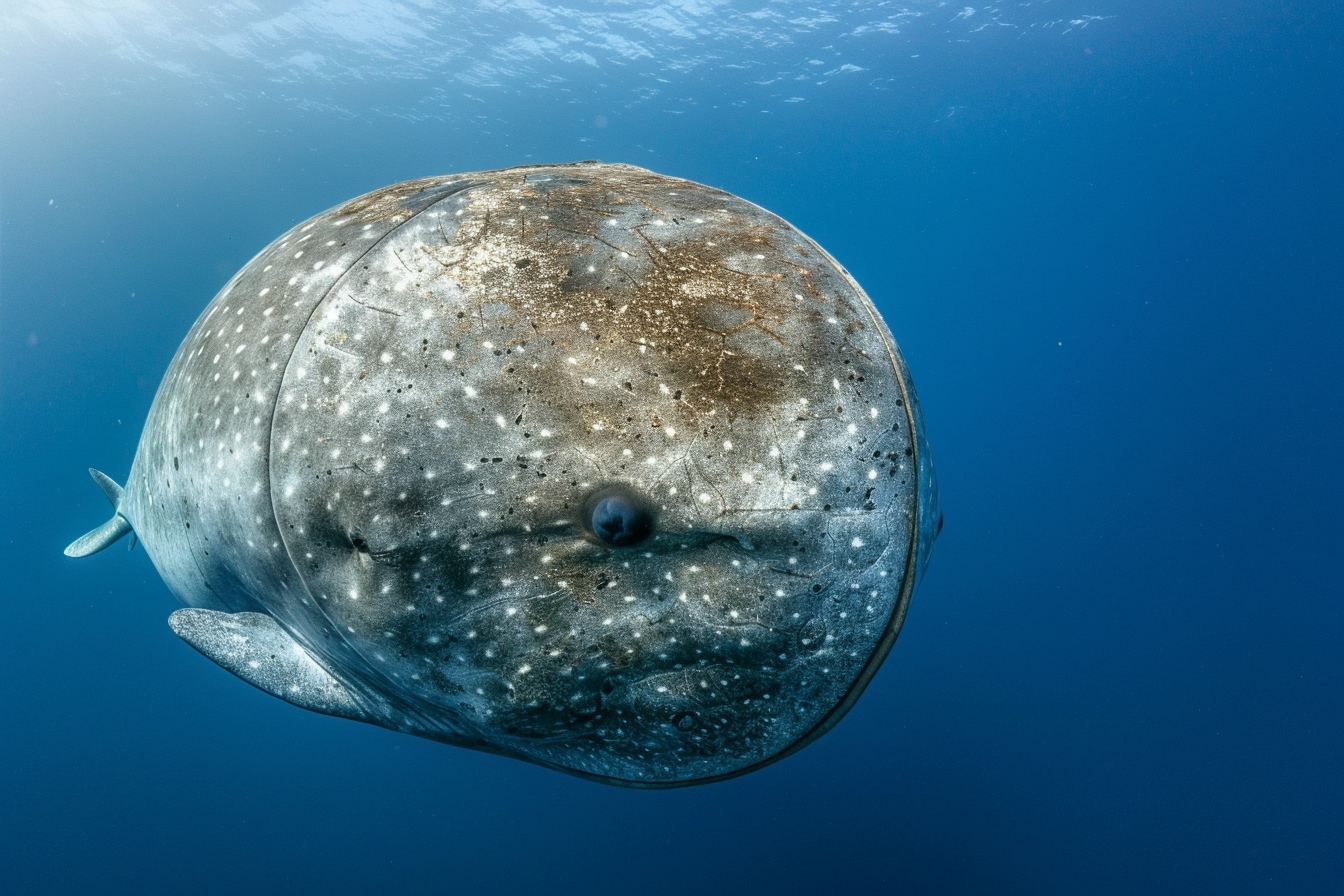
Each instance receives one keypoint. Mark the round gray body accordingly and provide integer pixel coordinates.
(385, 432)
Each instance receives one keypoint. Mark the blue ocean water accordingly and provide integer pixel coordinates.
(1108, 237)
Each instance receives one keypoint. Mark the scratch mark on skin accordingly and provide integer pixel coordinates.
(327, 346)
(678, 462)
(495, 604)
(372, 307)
(651, 207)
(397, 254)
(807, 278)
(593, 236)
(653, 249)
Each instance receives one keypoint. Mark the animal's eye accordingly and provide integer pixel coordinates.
(618, 515)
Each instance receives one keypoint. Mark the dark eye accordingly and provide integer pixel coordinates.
(618, 515)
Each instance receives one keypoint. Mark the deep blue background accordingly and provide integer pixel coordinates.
(1114, 263)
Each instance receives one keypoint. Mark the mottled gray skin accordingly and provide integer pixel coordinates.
(382, 432)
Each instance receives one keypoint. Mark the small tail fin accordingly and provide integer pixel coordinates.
(108, 532)
(110, 488)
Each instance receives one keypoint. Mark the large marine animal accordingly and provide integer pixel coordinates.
(580, 464)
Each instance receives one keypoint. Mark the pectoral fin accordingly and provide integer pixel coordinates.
(254, 647)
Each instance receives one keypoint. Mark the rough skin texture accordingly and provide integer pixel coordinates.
(384, 430)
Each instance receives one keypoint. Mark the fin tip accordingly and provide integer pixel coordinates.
(95, 540)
